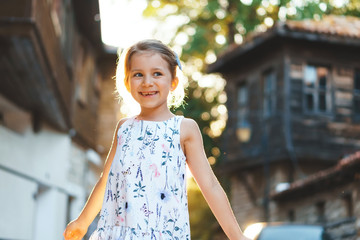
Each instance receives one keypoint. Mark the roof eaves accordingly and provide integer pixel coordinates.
(282, 29)
(349, 163)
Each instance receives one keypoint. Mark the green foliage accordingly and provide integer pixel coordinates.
(200, 214)
(194, 108)
(231, 15)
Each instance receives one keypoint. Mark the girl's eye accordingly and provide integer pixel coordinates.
(156, 74)
(137, 75)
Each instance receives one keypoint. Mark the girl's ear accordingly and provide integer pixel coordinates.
(174, 83)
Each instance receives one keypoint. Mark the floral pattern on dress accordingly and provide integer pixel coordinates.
(145, 196)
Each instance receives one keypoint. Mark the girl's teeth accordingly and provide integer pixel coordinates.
(147, 94)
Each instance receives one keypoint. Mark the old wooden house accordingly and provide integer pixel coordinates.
(329, 197)
(293, 105)
(53, 69)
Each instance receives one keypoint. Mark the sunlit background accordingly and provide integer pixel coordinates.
(123, 24)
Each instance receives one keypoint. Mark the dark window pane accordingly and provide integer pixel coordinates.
(357, 105)
(322, 74)
(267, 107)
(242, 111)
(269, 93)
(357, 80)
(322, 102)
(309, 102)
(322, 82)
(242, 95)
(270, 82)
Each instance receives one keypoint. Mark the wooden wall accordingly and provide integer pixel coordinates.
(291, 132)
(323, 136)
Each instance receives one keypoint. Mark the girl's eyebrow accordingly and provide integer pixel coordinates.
(153, 69)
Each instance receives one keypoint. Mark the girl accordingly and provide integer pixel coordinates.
(142, 190)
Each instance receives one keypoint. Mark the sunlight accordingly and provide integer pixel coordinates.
(188, 172)
(247, 2)
(115, 19)
(253, 230)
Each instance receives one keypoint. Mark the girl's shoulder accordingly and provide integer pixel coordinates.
(188, 127)
(188, 122)
(121, 122)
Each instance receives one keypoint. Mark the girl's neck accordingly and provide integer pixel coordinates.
(154, 115)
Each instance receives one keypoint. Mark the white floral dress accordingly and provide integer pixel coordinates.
(145, 196)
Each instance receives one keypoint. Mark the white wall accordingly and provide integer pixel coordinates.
(16, 206)
(50, 217)
(43, 156)
(39, 173)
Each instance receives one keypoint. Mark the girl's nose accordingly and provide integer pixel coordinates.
(147, 81)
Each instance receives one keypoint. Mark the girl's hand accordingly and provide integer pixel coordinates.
(245, 238)
(74, 231)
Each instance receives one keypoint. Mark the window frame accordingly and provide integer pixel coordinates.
(243, 126)
(316, 90)
(269, 93)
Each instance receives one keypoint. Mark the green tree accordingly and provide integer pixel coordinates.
(208, 21)
(201, 217)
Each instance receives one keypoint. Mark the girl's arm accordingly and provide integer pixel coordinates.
(204, 176)
(77, 228)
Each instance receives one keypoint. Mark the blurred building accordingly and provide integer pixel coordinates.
(330, 197)
(56, 96)
(294, 109)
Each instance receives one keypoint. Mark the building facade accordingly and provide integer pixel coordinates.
(54, 72)
(294, 109)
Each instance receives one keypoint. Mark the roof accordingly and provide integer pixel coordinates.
(345, 171)
(331, 28)
(345, 26)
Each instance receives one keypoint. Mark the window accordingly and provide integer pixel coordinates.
(317, 89)
(348, 202)
(243, 126)
(269, 94)
(320, 208)
(356, 95)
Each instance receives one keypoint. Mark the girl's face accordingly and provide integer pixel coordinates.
(150, 80)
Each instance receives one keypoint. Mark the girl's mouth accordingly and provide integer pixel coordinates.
(148, 94)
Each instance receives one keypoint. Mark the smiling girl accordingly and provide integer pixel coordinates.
(142, 190)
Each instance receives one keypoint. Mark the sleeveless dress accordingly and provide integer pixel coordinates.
(145, 196)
